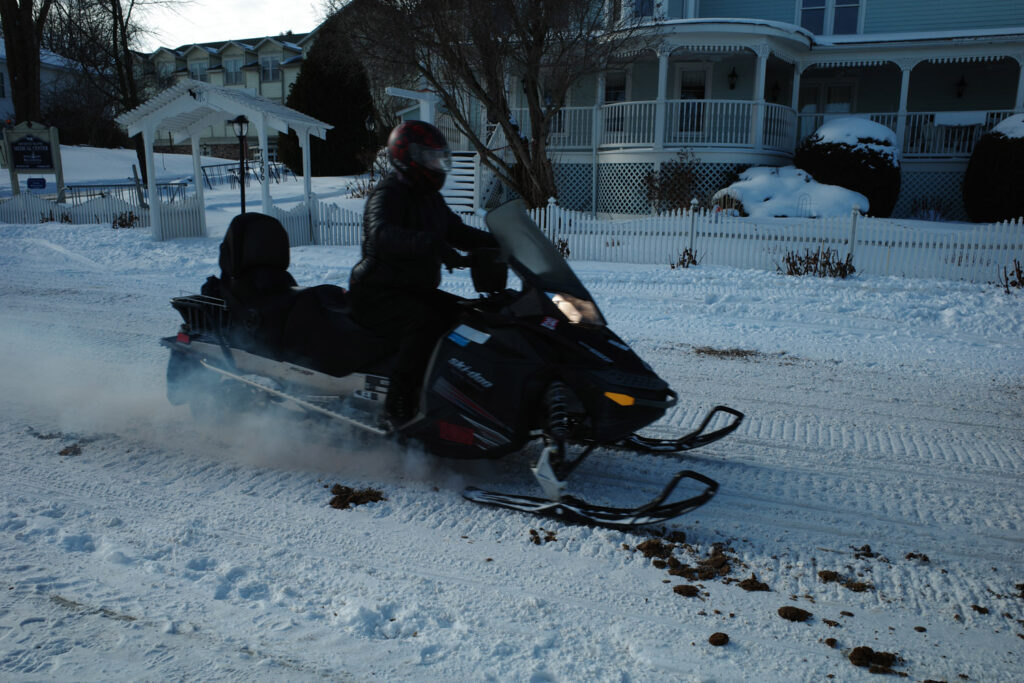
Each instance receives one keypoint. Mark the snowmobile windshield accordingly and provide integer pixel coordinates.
(537, 260)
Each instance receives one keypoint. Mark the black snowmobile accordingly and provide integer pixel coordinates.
(535, 363)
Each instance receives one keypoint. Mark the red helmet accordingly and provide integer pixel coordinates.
(420, 152)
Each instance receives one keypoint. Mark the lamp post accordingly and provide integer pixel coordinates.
(240, 124)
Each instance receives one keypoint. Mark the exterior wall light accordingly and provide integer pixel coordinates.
(733, 77)
(961, 86)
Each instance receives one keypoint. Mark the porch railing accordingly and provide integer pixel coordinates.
(700, 123)
(926, 134)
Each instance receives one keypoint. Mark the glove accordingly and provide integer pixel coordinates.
(453, 259)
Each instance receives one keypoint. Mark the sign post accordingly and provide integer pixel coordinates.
(31, 149)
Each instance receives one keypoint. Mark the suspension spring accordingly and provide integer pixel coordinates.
(558, 410)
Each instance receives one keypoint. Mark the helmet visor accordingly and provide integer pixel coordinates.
(432, 158)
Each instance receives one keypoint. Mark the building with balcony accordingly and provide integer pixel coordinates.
(266, 66)
(742, 82)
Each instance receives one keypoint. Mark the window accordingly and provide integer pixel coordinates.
(197, 71)
(845, 19)
(643, 8)
(615, 86)
(812, 16)
(233, 72)
(270, 68)
(836, 17)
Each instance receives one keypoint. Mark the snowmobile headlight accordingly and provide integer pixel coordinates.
(577, 310)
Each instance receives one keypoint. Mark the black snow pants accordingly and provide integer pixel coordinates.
(416, 319)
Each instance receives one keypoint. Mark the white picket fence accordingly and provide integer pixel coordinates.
(976, 253)
(27, 208)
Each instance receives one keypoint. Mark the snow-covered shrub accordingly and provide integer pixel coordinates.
(858, 154)
(992, 184)
(765, 192)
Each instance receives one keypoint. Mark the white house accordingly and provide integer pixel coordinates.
(741, 82)
(52, 68)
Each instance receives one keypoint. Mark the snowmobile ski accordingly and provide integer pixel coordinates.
(687, 442)
(574, 510)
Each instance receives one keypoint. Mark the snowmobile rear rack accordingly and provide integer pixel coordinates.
(574, 510)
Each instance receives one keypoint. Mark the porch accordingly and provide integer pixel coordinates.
(742, 126)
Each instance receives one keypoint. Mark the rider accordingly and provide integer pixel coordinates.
(408, 233)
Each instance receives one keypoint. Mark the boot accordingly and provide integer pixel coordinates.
(399, 408)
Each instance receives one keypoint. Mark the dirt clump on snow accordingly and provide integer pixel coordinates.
(537, 539)
(345, 496)
(686, 590)
(829, 576)
(72, 450)
(655, 547)
(718, 639)
(794, 613)
(725, 353)
(876, 661)
(752, 584)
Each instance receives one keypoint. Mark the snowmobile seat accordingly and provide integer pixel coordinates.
(255, 281)
(321, 335)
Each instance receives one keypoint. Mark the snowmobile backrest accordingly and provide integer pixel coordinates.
(253, 240)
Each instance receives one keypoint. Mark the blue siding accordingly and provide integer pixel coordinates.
(897, 16)
(883, 16)
(777, 10)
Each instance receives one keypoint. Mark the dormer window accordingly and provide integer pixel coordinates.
(830, 17)
(270, 68)
(233, 71)
(197, 71)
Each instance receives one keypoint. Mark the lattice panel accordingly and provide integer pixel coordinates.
(621, 189)
(935, 195)
(713, 177)
(574, 186)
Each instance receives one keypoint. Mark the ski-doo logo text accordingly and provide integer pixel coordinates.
(469, 372)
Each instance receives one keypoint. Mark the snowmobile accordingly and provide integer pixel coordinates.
(538, 362)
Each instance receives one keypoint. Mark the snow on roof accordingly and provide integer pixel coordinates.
(788, 191)
(46, 58)
(1012, 127)
(908, 36)
(859, 132)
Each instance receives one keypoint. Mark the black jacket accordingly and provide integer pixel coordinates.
(406, 230)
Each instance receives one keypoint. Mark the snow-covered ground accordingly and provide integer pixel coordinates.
(137, 544)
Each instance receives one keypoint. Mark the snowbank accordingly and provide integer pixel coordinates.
(1012, 127)
(767, 192)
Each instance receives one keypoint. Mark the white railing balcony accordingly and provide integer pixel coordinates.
(926, 134)
(696, 123)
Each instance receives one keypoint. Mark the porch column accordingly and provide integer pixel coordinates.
(265, 186)
(156, 229)
(596, 127)
(906, 67)
(758, 109)
(1018, 105)
(307, 166)
(664, 53)
(798, 71)
(197, 173)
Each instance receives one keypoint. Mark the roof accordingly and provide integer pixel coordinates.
(289, 41)
(188, 107)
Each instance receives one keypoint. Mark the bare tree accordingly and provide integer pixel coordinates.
(99, 37)
(468, 52)
(23, 24)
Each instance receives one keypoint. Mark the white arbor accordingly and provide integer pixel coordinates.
(188, 108)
